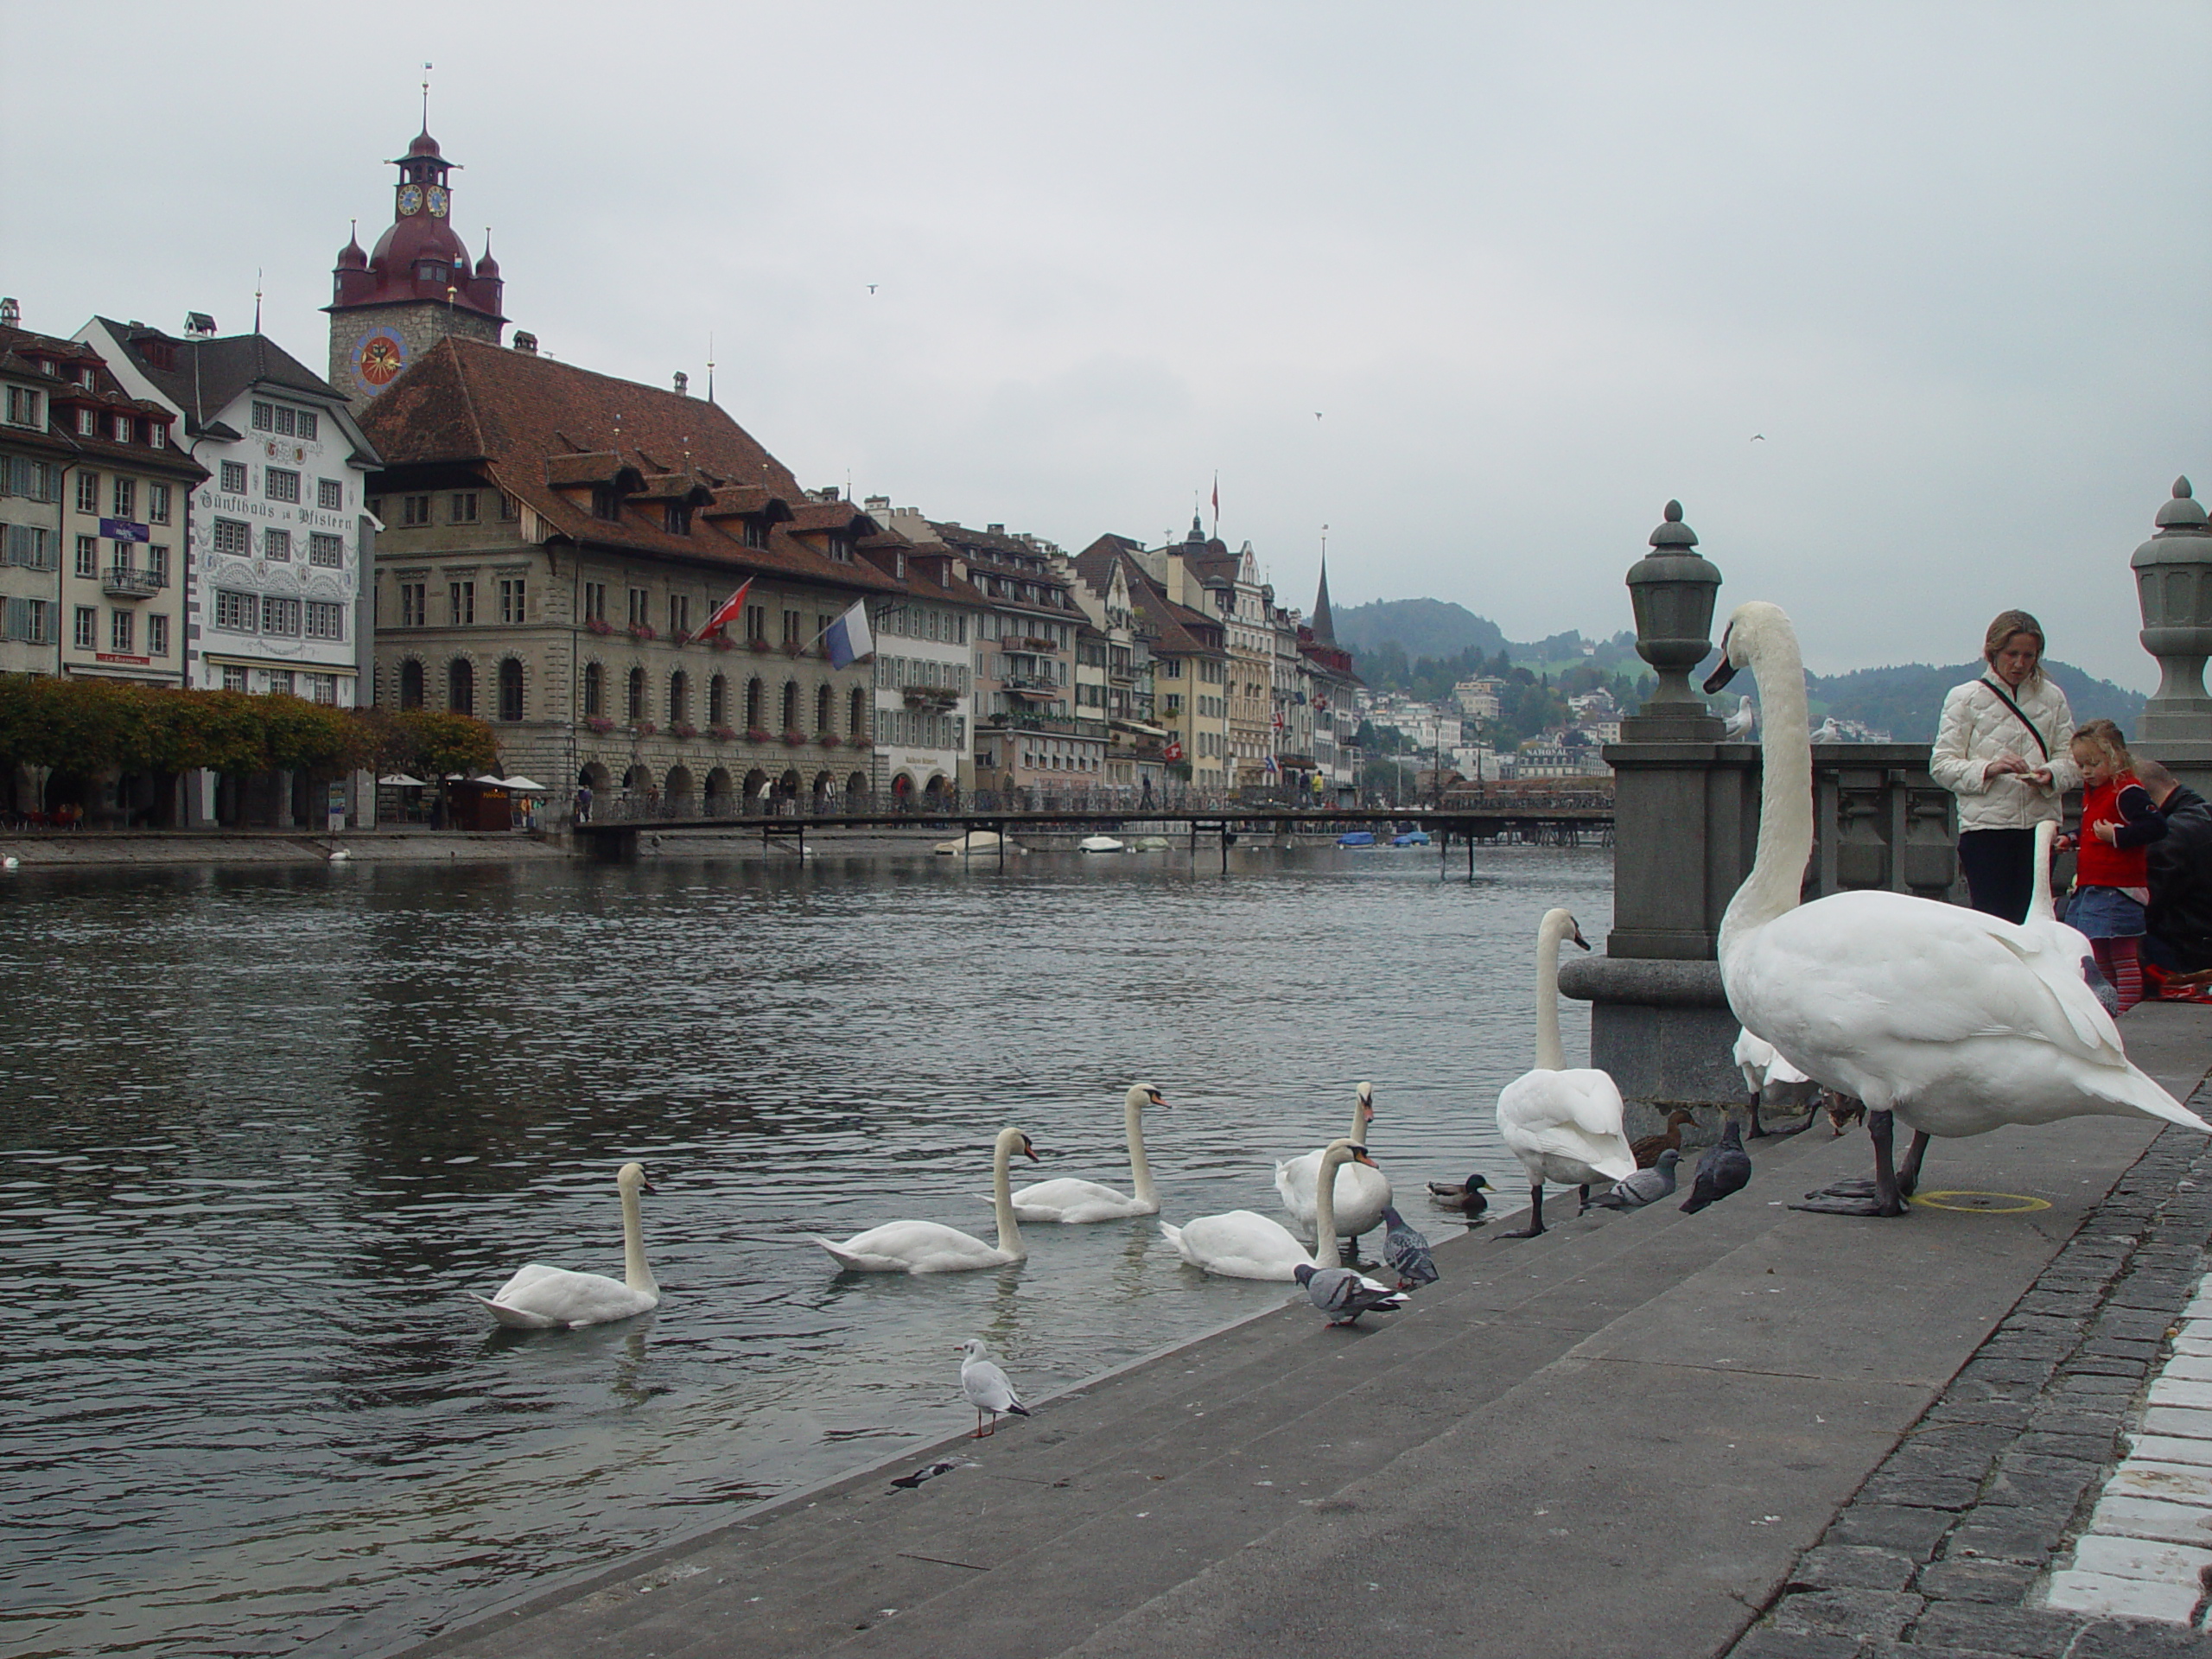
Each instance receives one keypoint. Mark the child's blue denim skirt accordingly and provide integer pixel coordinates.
(2104, 913)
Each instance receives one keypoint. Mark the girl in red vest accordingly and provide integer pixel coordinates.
(2111, 884)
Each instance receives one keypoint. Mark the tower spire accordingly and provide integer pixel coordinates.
(1325, 627)
(426, 95)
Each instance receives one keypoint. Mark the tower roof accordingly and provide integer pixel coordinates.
(1323, 626)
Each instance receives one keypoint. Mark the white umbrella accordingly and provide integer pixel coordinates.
(401, 781)
(523, 785)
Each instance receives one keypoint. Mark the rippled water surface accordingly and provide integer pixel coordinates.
(264, 1127)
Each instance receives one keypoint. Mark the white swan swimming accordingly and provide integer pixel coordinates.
(930, 1247)
(539, 1298)
(1564, 1126)
(1362, 1192)
(1952, 1020)
(1242, 1244)
(1073, 1202)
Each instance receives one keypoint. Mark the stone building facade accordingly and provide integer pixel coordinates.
(32, 457)
(555, 541)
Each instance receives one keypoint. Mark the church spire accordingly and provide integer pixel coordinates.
(1324, 629)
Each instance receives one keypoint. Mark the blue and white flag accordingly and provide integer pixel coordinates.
(849, 638)
(1274, 769)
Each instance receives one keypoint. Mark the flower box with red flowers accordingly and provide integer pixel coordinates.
(678, 637)
(644, 729)
(756, 735)
(830, 739)
(598, 625)
(641, 631)
(793, 648)
(722, 733)
(723, 642)
(757, 647)
(683, 728)
(598, 724)
(794, 739)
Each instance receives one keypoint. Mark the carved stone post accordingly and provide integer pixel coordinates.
(2173, 585)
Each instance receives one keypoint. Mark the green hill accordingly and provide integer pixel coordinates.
(1906, 701)
(1419, 627)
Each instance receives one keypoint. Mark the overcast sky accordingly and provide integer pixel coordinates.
(1476, 287)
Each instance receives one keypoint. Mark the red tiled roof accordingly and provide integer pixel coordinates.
(534, 423)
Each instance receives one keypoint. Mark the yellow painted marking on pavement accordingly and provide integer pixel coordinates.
(1982, 1204)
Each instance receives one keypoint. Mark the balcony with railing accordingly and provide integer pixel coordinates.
(126, 582)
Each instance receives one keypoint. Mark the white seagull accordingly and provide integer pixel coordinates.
(987, 1389)
(1738, 726)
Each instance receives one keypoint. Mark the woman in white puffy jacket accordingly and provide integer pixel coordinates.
(2004, 747)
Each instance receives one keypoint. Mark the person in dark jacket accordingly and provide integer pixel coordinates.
(2178, 922)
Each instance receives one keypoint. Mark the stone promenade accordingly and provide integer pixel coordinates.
(1750, 1431)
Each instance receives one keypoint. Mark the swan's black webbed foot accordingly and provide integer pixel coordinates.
(1872, 1204)
(1879, 1196)
(1857, 1187)
(1536, 1215)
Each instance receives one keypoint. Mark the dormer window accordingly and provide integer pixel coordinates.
(604, 504)
(85, 379)
(123, 433)
(756, 532)
(88, 423)
(841, 548)
(676, 518)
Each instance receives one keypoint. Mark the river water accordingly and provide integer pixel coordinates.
(264, 1127)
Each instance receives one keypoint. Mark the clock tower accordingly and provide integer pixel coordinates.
(389, 307)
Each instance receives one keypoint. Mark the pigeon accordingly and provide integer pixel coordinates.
(1467, 1198)
(1345, 1293)
(927, 1471)
(1407, 1251)
(1737, 726)
(1645, 1186)
(987, 1389)
(1723, 1170)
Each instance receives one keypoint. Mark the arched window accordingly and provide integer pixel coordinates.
(825, 711)
(680, 696)
(636, 694)
(410, 684)
(856, 714)
(510, 689)
(790, 705)
(594, 689)
(461, 686)
(718, 702)
(753, 694)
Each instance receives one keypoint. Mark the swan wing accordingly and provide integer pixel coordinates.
(1295, 1178)
(913, 1246)
(559, 1297)
(1575, 1116)
(514, 1318)
(1239, 1244)
(1068, 1200)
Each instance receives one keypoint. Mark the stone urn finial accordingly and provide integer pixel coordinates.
(1672, 588)
(2173, 586)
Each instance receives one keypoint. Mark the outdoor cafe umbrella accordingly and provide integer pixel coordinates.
(401, 781)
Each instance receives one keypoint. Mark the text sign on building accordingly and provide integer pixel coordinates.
(122, 530)
(114, 656)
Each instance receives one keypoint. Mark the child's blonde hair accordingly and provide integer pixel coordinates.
(2103, 737)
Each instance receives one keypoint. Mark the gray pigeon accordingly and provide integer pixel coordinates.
(1347, 1294)
(1407, 1251)
(1725, 1168)
(1645, 1186)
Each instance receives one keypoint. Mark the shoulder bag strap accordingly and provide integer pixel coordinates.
(2018, 716)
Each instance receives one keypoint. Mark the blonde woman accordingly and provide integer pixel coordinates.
(2004, 747)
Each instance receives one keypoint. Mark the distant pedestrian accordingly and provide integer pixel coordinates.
(2002, 746)
(583, 803)
(2112, 878)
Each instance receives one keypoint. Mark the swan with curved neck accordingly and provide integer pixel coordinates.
(1953, 1022)
(539, 1298)
(1564, 1126)
(1073, 1202)
(1362, 1192)
(930, 1247)
(1242, 1244)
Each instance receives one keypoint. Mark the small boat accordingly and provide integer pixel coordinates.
(1149, 844)
(1410, 838)
(975, 841)
(1100, 844)
(1356, 838)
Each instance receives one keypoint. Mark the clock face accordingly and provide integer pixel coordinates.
(378, 357)
(436, 197)
(411, 199)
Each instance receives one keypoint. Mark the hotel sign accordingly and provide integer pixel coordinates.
(112, 657)
(122, 530)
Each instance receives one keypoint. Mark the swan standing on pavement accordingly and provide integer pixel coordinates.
(1956, 1021)
(1073, 1201)
(1362, 1192)
(1563, 1126)
(930, 1247)
(539, 1298)
(1242, 1244)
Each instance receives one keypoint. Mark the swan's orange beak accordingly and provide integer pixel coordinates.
(1031, 1150)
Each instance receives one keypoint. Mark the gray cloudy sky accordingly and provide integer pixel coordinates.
(1537, 268)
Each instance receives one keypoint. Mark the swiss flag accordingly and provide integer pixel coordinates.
(729, 611)
(1174, 749)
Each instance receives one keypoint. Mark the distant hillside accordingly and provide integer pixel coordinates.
(1906, 701)
(1419, 627)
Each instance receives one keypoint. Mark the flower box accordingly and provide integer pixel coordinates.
(829, 740)
(598, 625)
(793, 648)
(683, 728)
(646, 729)
(756, 735)
(679, 638)
(794, 739)
(641, 631)
(723, 642)
(722, 733)
(757, 647)
(598, 724)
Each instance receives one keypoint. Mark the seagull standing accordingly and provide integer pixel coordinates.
(987, 1389)
(1346, 1294)
(1828, 732)
(1737, 727)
